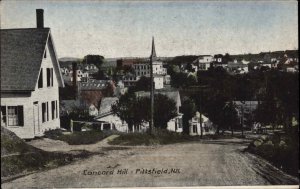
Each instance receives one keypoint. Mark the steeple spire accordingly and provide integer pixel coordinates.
(153, 53)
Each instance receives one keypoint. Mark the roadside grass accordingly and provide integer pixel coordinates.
(78, 138)
(19, 158)
(159, 137)
(282, 150)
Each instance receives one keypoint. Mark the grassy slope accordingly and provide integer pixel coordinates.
(78, 138)
(19, 158)
(161, 137)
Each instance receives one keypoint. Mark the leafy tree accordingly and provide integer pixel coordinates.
(191, 80)
(214, 110)
(127, 109)
(173, 69)
(179, 80)
(227, 57)
(143, 84)
(189, 67)
(230, 116)
(178, 60)
(188, 108)
(98, 60)
(67, 93)
(135, 110)
(164, 110)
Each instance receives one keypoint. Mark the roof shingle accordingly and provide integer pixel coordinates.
(21, 56)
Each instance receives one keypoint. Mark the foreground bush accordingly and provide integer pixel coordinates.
(280, 149)
(160, 137)
(77, 138)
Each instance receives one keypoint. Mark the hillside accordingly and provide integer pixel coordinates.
(19, 158)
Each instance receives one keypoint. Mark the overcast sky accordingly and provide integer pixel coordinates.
(123, 29)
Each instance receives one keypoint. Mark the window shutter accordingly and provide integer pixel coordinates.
(47, 109)
(20, 116)
(56, 109)
(48, 77)
(53, 109)
(51, 76)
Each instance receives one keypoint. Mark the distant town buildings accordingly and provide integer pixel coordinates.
(204, 62)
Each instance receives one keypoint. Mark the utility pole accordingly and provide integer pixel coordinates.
(152, 58)
(200, 109)
(242, 121)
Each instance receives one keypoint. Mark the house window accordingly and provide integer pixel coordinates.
(180, 123)
(45, 54)
(194, 128)
(54, 109)
(40, 84)
(45, 112)
(3, 115)
(15, 116)
(49, 77)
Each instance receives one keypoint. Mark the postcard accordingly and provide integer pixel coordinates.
(160, 94)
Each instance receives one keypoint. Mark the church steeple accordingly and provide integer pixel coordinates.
(153, 53)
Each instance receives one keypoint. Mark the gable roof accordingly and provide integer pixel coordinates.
(21, 57)
(174, 95)
(106, 103)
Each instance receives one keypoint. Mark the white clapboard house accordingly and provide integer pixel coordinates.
(30, 77)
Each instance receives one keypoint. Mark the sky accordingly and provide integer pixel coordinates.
(125, 28)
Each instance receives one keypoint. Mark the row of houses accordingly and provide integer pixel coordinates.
(141, 68)
(284, 60)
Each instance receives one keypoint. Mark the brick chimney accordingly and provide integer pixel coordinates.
(40, 18)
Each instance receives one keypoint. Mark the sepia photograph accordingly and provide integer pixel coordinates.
(156, 94)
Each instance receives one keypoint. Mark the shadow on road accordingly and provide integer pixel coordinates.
(243, 142)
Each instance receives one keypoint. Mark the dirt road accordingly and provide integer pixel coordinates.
(217, 162)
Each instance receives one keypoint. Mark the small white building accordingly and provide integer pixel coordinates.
(130, 80)
(203, 62)
(80, 75)
(194, 125)
(108, 120)
(158, 81)
(30, 77)
(167, 79)
(175, 124)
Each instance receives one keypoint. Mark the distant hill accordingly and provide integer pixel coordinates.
(178, 60)
(68, 59)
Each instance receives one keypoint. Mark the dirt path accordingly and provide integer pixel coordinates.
(61, 146)
(218, 162)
